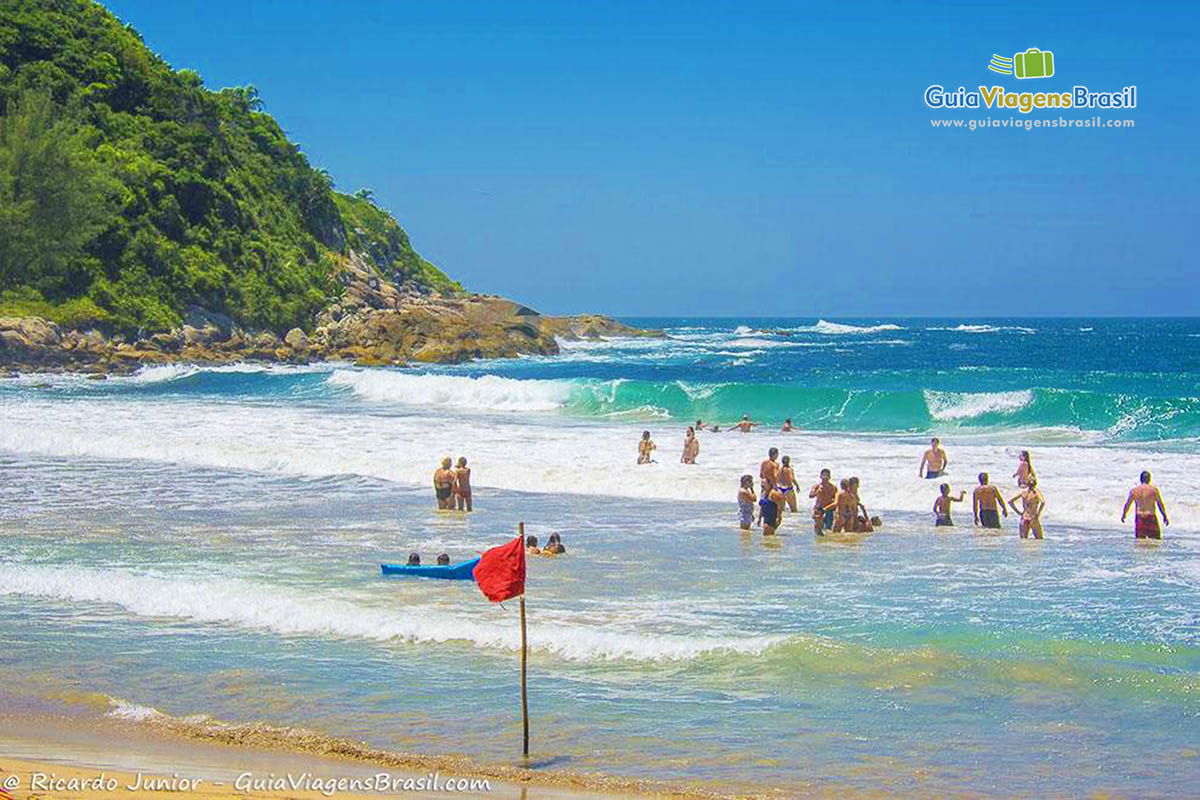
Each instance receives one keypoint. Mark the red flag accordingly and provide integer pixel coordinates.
(500, 572)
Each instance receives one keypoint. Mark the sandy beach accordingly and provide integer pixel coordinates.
(54, 758)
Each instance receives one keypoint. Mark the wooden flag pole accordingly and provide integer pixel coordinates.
(524, 659)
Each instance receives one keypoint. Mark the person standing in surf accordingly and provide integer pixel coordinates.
(1024, 471)
(987, 503)
(786, 480)
(823, 494)
(935, 460)
(691, 446)
(771, 510)
(941, 506)
(1033, 503)
(443, 485)
(844, 506)
(1147, 501)
(862, 518)
(746, 500)
(645, 448)
(462, 485)
(768, 471)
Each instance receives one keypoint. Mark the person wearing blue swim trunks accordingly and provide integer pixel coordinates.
(771, 509)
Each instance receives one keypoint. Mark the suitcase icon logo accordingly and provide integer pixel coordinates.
(1033, 63)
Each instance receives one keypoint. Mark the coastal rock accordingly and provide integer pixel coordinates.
(297, 340)
(376, 323)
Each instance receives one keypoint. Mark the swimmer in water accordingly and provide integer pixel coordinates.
(987, 503)
(746, 500)
(462, 485)
(771, 509)
(1024, 469)
(1033, 503)
(823, 494)
(1147, 500)
(786, 478)
(645, 448)
(443, 484)
(941, 506)
(745, 424)
(934, 461)
(691, 446)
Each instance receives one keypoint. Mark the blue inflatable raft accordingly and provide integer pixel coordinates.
(449, 572)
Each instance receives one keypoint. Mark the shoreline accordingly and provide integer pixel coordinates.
(211, 756)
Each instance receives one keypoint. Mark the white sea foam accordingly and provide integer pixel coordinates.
(528, 452)
(123, 709)
(288, 612)
(757, 343)
(986, 329)
(837, 328)
(485, 393)
(953, 406)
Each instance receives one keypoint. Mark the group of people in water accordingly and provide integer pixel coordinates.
(691, 444)
(987, 503)
(452, 485)
(837, 507)
(552, 547)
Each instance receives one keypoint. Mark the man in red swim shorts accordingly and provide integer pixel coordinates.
(1145, 496)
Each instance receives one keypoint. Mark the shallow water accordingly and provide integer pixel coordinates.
(208, 543)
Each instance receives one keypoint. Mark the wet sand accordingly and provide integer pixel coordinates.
(51, 757)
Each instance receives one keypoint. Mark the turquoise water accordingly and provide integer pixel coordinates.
(207, 542)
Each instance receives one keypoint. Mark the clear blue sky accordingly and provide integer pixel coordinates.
(700, 158)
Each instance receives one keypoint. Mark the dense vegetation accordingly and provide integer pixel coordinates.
(129, 191)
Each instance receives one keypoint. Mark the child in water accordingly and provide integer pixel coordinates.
(941, 506)
(554, 546)
(414, 559)
(443, 560)
(746, 500)
(531, 546)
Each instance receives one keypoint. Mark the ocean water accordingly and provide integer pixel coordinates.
(198, 541)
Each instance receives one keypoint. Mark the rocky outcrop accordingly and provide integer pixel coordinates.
(374, 322)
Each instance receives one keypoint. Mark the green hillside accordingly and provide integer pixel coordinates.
(129, 191)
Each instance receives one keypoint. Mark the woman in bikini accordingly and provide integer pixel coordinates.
(785, 481)
(1024, 473)
(1033, 503)
(746, 500)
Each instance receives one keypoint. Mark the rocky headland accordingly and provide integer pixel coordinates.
(374, 322)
